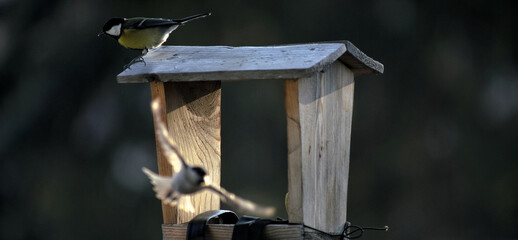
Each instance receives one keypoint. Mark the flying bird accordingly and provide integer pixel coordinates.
(187, 179)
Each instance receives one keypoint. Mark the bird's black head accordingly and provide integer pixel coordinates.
(201, 172)
(113, 27)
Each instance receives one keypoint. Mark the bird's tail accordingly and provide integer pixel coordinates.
(161, 185)
(193, 17)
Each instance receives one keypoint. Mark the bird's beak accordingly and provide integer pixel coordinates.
(100, 34)
(207, 180)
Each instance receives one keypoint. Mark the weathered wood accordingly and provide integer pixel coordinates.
(319, 142)
(164, 168)
(193, 112)
(358, 62)
(224, 231)
(319, 84)
(270, 232)
(218, 63)
(291, 93)
(190, 63)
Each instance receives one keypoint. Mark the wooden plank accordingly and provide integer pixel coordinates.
(193, 112)
(294, 207)
(325, 104)
(196, 63)
(224, 231)
(358, 62)
(164, 168)
(310, 234)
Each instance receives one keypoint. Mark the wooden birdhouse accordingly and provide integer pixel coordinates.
(319, 90)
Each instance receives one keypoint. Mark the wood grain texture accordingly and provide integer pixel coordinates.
(270, 232)
(216, 63)
(193, 112)
(295, 210)
(321, 159)
(164, 168)
(224, 231)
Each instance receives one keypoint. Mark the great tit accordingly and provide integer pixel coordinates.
(187, 179)
(143, 33)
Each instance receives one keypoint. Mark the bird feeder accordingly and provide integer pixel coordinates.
(319, 90)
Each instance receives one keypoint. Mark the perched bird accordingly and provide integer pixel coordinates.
(143, 33)
(189, 179)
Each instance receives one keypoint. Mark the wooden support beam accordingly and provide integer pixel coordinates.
(193, 112)
(319, 113)
(164, 168)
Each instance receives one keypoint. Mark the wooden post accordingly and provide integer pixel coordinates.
(319, 87)
(194, 122)
(319, 113)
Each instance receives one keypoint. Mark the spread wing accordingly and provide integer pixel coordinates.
(241, 203)
(167, 144)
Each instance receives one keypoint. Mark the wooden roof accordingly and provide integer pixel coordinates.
(212, 63)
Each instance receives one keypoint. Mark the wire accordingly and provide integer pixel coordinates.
(351, 231)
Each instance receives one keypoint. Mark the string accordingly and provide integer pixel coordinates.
(351, 231)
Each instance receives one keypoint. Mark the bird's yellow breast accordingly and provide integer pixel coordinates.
(143, 38)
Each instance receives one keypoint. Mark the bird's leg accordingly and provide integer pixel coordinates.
(137, 59)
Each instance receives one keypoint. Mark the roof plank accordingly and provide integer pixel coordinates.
(214, 63)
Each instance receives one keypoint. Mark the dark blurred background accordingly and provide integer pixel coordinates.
(434, 150)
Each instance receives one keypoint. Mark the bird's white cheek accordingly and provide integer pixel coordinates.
(115, 30)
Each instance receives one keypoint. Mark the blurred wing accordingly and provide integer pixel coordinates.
(164, 192)
(240, 203)
(162, 187)
(167, 144)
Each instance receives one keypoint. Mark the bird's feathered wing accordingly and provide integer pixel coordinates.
(166, 143)
(240, 203)
(161, 186)
(141, 22)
